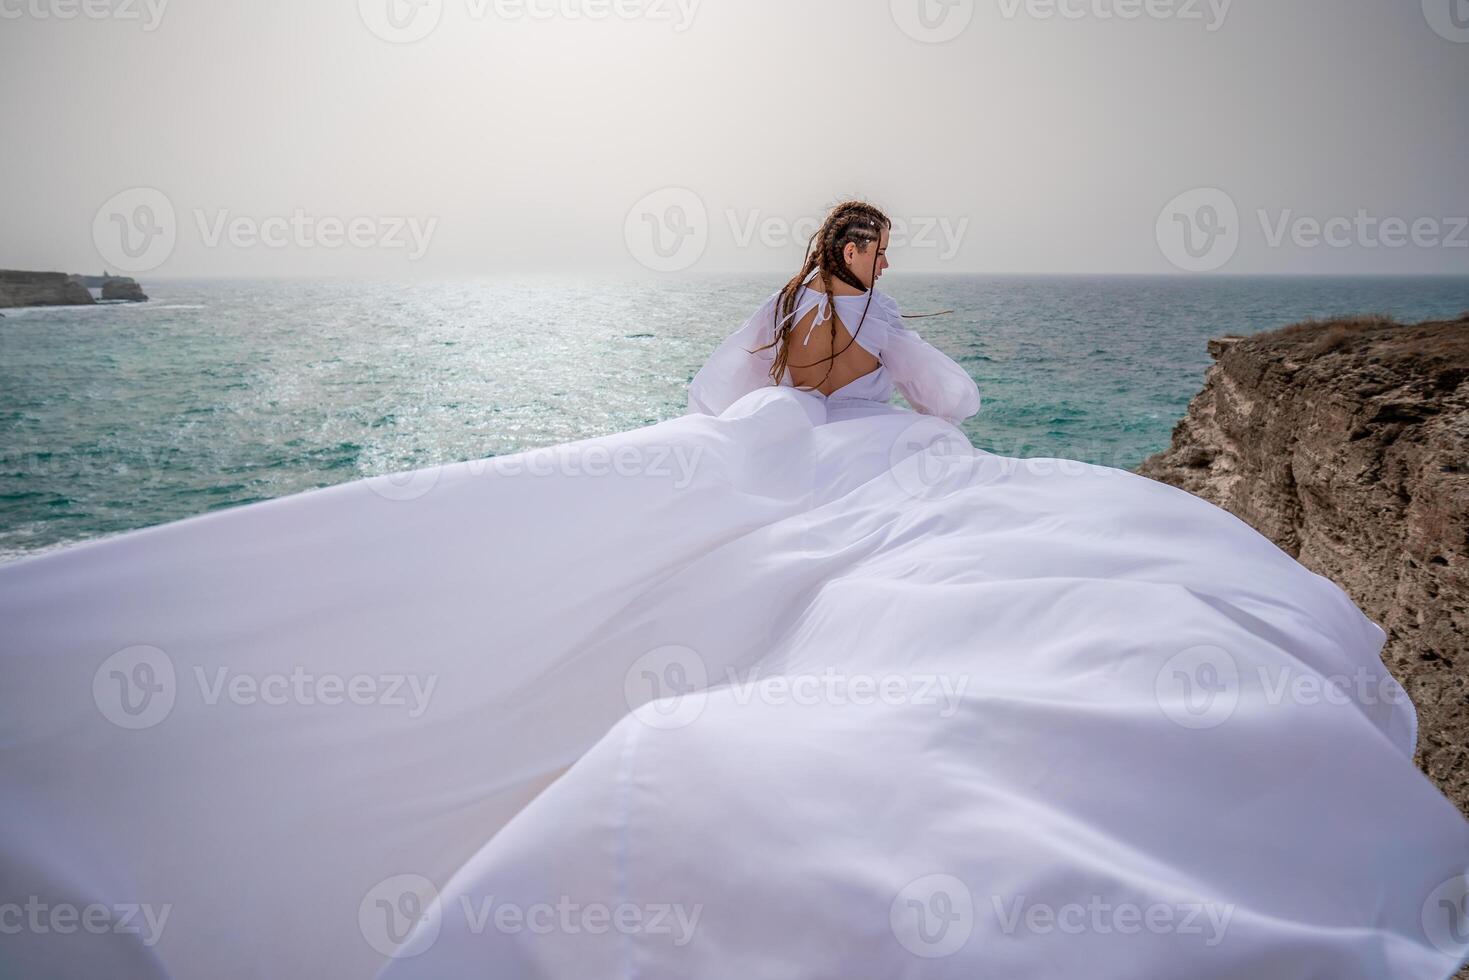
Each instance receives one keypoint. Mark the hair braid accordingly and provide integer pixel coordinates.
(853, 222)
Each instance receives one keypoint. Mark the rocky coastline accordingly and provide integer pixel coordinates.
(1346, 442)
(19, 288)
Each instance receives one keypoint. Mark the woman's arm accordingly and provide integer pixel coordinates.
(731, 371)
(933, 383)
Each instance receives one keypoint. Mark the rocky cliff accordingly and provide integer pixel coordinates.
(1346, 442)
(123, 289)
(59, 289)
(41, 289)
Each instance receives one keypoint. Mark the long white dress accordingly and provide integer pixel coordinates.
(789, 686)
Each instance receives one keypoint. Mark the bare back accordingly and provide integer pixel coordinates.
(853, 362)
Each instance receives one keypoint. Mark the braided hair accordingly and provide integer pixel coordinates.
(851, 221)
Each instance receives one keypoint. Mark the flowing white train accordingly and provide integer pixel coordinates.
(810, 688)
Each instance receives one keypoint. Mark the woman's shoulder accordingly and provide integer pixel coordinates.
(767, 305)
(887, 308)
(875, 301)
(883, 305)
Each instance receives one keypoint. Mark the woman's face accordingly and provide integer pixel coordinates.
(861, 261)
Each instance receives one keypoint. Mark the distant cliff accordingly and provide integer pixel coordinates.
(41, 289)
(123, 289)
(59, 289)
(1346, 442)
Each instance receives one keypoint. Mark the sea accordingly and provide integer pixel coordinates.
(220, 393)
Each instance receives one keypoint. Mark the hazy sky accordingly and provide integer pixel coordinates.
(453, 137)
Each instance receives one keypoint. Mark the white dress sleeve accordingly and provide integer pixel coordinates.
(933, 383)
(732, 371)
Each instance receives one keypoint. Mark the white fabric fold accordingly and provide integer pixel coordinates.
(795, 690)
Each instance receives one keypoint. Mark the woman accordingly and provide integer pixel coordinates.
(798, 684)
(856, 369)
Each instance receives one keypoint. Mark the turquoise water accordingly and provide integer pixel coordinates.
(219, 393)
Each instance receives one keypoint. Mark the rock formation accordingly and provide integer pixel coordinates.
(41, 289)
(123, 289)
(59, 289)
(1346, 442)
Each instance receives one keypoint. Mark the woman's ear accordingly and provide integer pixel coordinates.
(850, 252)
